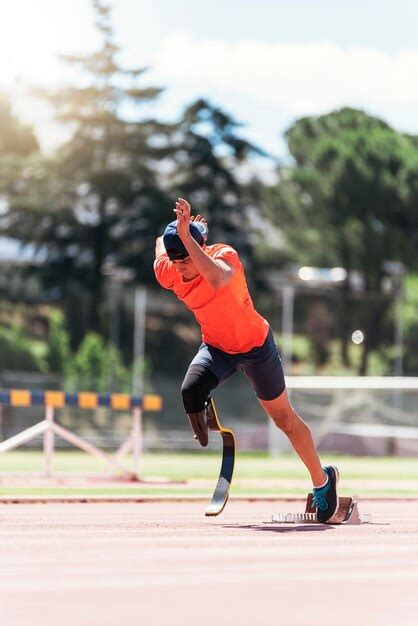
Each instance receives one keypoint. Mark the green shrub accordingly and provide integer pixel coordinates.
(17, 353)
(98, 367)
(59, 353)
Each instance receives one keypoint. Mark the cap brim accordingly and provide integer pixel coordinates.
(175, 255)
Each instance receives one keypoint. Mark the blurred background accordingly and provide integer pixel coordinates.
(290, 126)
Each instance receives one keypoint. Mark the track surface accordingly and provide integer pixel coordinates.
(166, 564)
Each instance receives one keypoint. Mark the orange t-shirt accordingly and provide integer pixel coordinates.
(226, 315)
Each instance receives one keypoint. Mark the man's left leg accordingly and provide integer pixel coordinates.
(324, 479)
(298, 432)
(263, 367)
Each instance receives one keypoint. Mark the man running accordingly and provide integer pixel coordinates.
(210, 281)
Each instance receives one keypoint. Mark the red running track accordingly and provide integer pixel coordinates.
(166, 564)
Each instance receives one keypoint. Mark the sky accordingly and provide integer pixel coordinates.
(267, 62)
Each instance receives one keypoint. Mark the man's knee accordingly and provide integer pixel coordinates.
(192, 395)
(196, 387)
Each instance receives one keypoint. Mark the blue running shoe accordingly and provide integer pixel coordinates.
(325, 499)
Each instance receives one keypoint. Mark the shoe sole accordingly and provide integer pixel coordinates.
(337, 478)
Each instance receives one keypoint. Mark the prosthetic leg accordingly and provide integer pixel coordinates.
(221, 493)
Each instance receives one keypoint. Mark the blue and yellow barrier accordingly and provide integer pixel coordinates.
(82, 400)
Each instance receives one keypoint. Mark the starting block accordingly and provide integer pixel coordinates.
(347, 513)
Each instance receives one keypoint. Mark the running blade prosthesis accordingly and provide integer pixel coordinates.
(347, 513)
(221, 493)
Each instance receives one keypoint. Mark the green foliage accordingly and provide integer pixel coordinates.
(97, 201)
(17, 352)
(102, 199)
(16, 139)
(208, 153)
(98, 367)
(345, 199)
(348, 201)
(95, 366)
(59, 354)
(17, 145)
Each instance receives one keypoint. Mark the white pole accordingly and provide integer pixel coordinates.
(137, 439)
(398, 340)
(287, 327)
(26, 435)
(114, 324)
(398, 369)
(138, 372)
(139, 341)
(89, 448)
(276, 441)
(49, 441)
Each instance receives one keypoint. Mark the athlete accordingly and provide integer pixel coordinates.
(210, 281)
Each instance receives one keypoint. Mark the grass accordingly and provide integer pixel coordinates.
(256, 474)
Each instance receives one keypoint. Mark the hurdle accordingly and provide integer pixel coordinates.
(49, 428)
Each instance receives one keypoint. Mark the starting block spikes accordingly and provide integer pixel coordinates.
(294, 518)
(347, 514)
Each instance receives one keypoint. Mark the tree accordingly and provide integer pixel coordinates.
(92, 203)
(16, 139)
(95, 363)
(208, 157)
(59, 353)
(344, 203)
(18, 144)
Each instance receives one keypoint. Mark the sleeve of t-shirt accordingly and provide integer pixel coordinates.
(164, 271)
(228, 254)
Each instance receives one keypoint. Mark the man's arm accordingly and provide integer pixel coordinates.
(163, 267)
(159, 247)
(215, 271)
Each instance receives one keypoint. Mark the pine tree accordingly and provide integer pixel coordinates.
(99, 197)
(210, 157)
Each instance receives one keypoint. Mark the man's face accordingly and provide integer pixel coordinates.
(186, 268)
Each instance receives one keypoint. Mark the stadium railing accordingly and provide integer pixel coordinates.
(381, 407)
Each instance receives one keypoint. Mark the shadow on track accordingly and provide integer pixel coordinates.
(280, 528)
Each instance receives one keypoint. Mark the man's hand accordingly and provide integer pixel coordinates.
(183, 211)
(198, 218)
(184, 217)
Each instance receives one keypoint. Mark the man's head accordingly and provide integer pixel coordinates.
(173, 244)
(176, 250)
